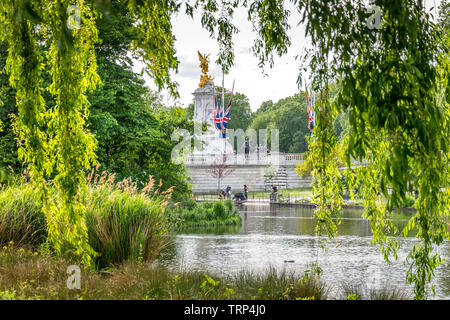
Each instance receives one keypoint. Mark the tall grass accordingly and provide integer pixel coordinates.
(385, 292)
(21, 218)
(123, 225)
(28, 276)
(123, 222)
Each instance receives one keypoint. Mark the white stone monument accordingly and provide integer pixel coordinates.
(212, 144)
(204, 107)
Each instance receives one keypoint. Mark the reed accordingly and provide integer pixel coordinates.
(124, 225)
(21, 218)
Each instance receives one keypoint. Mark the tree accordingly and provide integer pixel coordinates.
(290, 117)
(240, 112)
(52, 66)
(389, 84)
(8, 149)
(219, 170)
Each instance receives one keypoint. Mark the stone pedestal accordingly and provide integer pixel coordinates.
(204, 104)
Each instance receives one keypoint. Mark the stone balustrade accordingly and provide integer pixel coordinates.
(259, 159)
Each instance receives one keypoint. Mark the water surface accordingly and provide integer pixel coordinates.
(284, 238)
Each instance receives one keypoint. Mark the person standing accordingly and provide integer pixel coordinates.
(247, 148)
(273, 195)
(228, 191)
(246, 192)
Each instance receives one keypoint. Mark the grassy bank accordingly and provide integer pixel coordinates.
(26, 274)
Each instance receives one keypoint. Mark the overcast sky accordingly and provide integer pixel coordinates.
(274, 84)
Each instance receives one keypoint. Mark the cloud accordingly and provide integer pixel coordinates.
(189, 69)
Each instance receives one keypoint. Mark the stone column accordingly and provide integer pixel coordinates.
(203, 105)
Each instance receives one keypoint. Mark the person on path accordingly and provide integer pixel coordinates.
(246, 191)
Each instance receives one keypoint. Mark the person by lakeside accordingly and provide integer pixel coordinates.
(273, 195)
(228, 192)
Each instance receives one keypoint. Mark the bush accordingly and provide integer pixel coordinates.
(229, 204)
(219, 209)
(206, 214)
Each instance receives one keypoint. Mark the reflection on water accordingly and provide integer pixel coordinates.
(270, 235)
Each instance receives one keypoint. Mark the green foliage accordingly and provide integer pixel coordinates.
(8, 148)
(352, 296)
(326, 158)
(132, 127)
(153, 39)
(394, 88)
(219, 209)
(304, 169)
(189, 112)
(290, 117)
(124, 225)
(21, 218)
(229, 205)
(128, 121)
(64, 146)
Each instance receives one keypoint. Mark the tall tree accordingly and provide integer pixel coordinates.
(240, 111)
(290, 117)
(8, 149)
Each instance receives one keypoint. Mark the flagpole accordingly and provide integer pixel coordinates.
(223, 108)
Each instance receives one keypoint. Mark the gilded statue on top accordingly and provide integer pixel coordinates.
(204, 65)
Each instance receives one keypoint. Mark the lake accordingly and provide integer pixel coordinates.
(284, 238)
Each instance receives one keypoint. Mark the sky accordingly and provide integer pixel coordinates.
(257, 84)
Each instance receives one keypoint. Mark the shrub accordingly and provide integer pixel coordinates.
(229, 204)
(205, 214)
(219, 209)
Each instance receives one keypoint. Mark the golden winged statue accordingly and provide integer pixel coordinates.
(204, 65)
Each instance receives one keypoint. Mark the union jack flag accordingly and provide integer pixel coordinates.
(217, 116)
(311, 113)
(226, 116)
